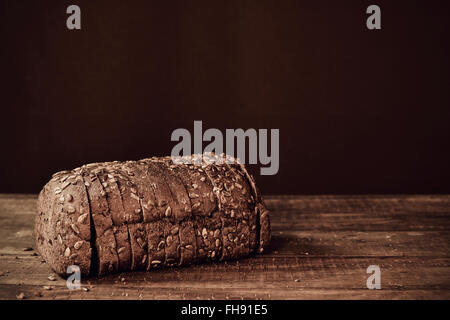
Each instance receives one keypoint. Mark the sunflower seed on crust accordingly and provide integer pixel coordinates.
(82, 218)
(168, 211)
(78, 245)
(67, 252)
(75, 228)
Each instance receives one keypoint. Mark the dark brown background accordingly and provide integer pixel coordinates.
(359, 111)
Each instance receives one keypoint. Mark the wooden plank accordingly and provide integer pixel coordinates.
(281, 278)
(356, 243)
(367, 204)
(381, 221)
(16, 222)
(321, 248)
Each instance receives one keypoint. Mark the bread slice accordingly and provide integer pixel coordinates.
(159, 189)
(261, 212)
(191, 188)
(244, 188)
(138, 239)
(166, 205)
(186, 233)
(182, 209)
(128, 190)
(118, 217)
(264, 226)
(73, 205)
(204, 184)
(73, 222)
(106, 258)
(157, 213)
(174, 213)
(204, 189)
(122, 236)
(144, 185)
(234, 246)
(127, 181)
(203, 203)
(61, 224)
(238, 209)
(240, 191)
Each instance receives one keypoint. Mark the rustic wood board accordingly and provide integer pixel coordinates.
(321, 248)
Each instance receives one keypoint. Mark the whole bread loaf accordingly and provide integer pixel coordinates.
(141, 215)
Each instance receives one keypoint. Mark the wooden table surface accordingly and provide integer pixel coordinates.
(321, 248)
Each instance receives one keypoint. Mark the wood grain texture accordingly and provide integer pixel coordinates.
(321, 248)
